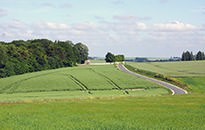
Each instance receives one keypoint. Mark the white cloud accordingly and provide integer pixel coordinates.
(111, 35)
(174, 26)
(85, 26)
(51, 25)
(13, 25)
(141, 26)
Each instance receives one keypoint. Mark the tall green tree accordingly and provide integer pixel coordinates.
(120, 58)
(110, 57)
(200, 56)
(187, 56)
(183, 56)
(81, 53)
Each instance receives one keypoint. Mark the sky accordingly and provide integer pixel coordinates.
(135, 28)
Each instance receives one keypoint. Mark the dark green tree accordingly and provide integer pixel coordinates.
(200, 56)
(110, 57)
(119, 58)
(183, 56)
(3, 56)
(9, 69)
(81, 53)
(187, 56)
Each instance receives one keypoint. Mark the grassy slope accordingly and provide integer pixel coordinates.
(39, 81)
(181, 112)
(197, 84)
(191, 73)
(174, 69)
(59, 84)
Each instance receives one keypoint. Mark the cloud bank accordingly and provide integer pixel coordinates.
(135, 35)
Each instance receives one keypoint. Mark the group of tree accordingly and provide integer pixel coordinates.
(18, 57)
(189, 56)
(114, 58)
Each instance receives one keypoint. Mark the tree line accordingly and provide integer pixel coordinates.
(18, 56)
(189, 56)
(114, 58)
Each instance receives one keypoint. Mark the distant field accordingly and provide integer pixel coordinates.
(191, 73)
(97, 61)
(74, 82)
(174, 69)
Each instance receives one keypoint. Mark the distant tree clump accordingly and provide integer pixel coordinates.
(119, 58)
(200, 56)
(18, 57)
(112, 58)
(188, 56)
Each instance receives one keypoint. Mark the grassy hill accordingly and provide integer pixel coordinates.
(191, 73)
(178, 112)
(174, 69)
(83, 81)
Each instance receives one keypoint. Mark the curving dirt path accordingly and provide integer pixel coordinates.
(173, 88)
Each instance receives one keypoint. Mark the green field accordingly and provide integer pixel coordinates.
(191, 73)
(174, 69)
(76, 82)
(153, 113)
(97, 61)
(145, 112)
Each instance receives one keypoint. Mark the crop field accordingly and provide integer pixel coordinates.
(181, 112)
(191, 73)
(174, 69)
(99, 110)
(97, 61)
(83, 81)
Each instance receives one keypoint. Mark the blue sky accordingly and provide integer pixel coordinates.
(150, 28)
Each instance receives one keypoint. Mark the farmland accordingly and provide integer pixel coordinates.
(77, 82)
(191, 73)
(183, 112)
(174, 69)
